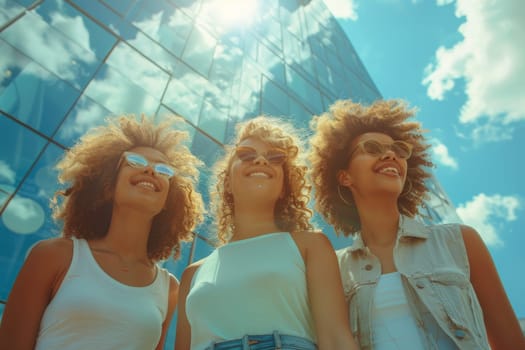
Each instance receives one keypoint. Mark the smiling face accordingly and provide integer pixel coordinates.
(370, 171)
(257, 176)
(142, 187)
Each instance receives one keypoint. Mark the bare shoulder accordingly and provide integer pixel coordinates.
(190, 270)
(312, 243)
(311, 239)
(54, 250)
(469, 232)
(473, 242)
(174, 284)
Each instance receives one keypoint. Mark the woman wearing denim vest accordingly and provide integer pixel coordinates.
(271, 284)
(409, 286)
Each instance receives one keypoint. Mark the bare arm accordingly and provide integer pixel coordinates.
(35, 286)
(326, 295)
(172, 303)
(503, 329)
(183, 337)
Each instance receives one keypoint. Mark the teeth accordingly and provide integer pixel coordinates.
(259, 174)
(146, 184)
(390, 170)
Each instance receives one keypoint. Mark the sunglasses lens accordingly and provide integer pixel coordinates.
(246, 155)
(164, 170)
(402, 149)
(136, 160)
(373, 148)
(276, 157)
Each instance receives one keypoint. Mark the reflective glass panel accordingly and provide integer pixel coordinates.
(9, 10)
(199, 50)
(114, 90)
(163, 23)
(32, 94)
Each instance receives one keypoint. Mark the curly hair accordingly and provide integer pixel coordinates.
(89, 172)
(335, 131)
(291, 211)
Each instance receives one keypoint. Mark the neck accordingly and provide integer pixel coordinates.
(251, 221)
(128, 233)
(379, 220)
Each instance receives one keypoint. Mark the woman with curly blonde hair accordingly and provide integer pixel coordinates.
(272, 283)
(128, 202)
(409, 286)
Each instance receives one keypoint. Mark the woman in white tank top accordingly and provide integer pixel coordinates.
(409, 285)
(129, 201)
(271, 284)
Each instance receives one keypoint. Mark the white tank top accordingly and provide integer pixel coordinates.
(252, 286)
(392, 321)
(393, 324)
(91, 310)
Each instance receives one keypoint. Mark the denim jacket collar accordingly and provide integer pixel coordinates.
(408, 228)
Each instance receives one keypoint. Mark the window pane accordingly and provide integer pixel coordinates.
(9, 10)
(199, 50)
(85, 115)
(27, 218)
(118, 94)
(164, 23)
(32, 94)
(41, 36)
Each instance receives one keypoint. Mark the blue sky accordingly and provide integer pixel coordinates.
(462, 64)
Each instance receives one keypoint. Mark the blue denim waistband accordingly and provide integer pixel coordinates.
(265, 342)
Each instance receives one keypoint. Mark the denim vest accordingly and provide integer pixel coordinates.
(434, 268)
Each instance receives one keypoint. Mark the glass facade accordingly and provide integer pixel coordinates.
(66, 65)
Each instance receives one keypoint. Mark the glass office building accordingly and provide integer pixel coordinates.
(66, 65)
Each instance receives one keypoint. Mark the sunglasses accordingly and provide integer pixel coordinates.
(274, 156)
(375, 148)
(138, 161)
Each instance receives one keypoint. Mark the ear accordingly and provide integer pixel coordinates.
(344, 178)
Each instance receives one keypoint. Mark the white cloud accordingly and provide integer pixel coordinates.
(343, 9)
(32, 35)
(491, 61)
(7, 173)
(441, 155)
(487, 214)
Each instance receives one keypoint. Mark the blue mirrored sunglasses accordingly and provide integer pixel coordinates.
(138, 161)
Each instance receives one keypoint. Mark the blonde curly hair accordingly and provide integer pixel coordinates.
(335, 131)
(89, 171)
(291, 211)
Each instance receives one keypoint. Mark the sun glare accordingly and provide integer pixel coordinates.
(232, 13)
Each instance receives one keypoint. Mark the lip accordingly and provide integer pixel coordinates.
(389, 164)
(149, 179)
(262, 170)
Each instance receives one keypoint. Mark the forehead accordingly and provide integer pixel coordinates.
(150, 154)
(256, 143)
(376, 136)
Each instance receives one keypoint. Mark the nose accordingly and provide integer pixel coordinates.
(260, 159)
(389, 154)
(148, 169)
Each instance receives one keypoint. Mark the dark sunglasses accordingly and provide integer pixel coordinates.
(274, 156)
(138, 161)
(375, 148)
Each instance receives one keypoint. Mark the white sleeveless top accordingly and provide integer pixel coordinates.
(91, 310)
(394, 326)
(252, 286)
(392, 322)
